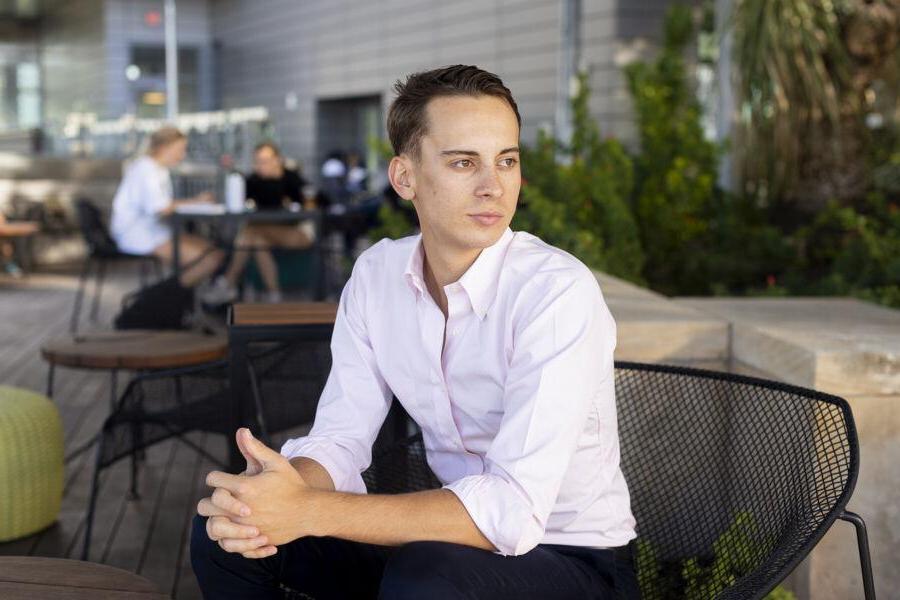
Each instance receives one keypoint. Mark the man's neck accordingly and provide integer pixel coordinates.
(443, 266)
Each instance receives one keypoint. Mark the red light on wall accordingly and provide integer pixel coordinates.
(152, 18)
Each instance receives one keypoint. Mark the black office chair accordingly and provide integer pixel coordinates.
(102, 250)
(733, 480)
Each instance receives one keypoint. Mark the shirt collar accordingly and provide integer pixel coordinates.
(480, 281)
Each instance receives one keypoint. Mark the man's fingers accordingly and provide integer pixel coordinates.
(223, 499)
(264, 552)
(206, 508)
(219, 528)
(232, 483)
(241, 546)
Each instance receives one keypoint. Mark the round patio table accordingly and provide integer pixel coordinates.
(30, 577)
(136, 350)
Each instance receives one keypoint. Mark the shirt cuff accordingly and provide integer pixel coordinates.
(326, 454)
(499, 512)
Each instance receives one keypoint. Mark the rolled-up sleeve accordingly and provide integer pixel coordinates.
(562, 352)
(353, 404)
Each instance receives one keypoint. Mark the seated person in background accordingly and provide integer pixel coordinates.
(357, 176)
(271, 186)
(7, 255)
(145, 196)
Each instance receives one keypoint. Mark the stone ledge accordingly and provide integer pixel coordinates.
(653, 328)
(842, 346)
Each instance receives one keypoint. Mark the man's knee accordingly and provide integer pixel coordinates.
(425, 569)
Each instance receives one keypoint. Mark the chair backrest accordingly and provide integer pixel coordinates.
(158, 405)
(287, 379)
(733, 479)
(93, 231)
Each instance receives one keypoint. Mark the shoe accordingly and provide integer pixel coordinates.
(14, 270)
(219, 292)
(273, 297)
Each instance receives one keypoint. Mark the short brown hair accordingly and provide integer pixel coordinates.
(164, 136)
(268, 144)
(407, 120)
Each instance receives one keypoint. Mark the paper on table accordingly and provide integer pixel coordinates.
(200, 208)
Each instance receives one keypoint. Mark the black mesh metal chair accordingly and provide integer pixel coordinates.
(157, 406)
(288, 380)
(733, 480)
(102, 250)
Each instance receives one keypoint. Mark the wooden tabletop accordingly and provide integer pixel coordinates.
(134, 349)
(285, 313)
(31, 577)
(18, 228)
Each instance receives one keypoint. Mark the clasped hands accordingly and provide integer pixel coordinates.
(267, 505)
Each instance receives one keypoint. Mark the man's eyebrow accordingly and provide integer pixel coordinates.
(473, 153)
(463, 152)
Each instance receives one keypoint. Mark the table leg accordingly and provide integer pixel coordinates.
(176, 246)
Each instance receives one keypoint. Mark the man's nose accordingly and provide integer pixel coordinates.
(489, 183)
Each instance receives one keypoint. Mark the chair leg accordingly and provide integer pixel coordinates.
(92, 503)
(79, 295)
(134, 464)
(142, 274)
(51, 372)
(157, 268)
(98, 289)
(865, 558)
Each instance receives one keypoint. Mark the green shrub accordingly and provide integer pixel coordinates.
(734, 554)
(676, 165)
(576, 197)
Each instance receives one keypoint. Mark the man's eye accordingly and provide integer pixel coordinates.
(509, 162)
(465, 163)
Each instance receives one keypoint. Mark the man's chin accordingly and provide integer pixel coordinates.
(486, 237)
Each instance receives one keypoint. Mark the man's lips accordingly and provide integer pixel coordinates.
(487, 218)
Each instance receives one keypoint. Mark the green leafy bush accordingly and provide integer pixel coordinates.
(734, 554)
(576, 197)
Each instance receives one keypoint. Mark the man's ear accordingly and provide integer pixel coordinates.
(402, 177)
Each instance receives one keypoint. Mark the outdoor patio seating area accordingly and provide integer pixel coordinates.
(494, 299)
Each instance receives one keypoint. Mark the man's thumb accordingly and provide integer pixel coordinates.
(257, 450)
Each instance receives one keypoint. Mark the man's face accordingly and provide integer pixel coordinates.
(266, 163)
(465, 184)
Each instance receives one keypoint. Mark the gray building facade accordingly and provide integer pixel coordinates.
(324, 68)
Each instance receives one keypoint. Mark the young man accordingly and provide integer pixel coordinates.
(499, 346)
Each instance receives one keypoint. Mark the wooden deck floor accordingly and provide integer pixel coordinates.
(148, 536)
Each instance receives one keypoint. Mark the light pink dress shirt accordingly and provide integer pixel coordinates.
(517, 407)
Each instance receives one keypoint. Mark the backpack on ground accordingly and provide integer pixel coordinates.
(163, 305)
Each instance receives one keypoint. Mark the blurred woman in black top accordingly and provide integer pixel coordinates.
(271, 186)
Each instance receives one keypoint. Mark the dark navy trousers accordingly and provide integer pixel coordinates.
(330, 568)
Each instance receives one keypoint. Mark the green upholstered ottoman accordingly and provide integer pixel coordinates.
(31, 462)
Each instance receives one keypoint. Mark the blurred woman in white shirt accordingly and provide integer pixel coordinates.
(144, 199)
